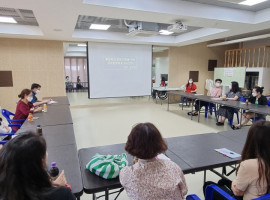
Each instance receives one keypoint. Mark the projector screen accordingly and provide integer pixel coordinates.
(119, 70)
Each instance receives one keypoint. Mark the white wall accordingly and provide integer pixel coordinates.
(162, 67)
(256, 43)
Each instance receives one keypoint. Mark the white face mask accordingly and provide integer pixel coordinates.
(254, 94)
(29, 99)
(218, 84)
(38, 91)
(230, 87)
(190, 81)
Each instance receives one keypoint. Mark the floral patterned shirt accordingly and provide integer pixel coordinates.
(154, 179)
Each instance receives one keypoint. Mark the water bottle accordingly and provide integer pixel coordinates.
(44, 107)
(54, 171)
(256, 102)
(39, 130)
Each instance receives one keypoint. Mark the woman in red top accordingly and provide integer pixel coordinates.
(190, 88)
(24, 107)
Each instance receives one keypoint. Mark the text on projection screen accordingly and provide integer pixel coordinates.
(119, 70)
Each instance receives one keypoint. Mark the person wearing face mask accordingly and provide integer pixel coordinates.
(24, 107)
(256, 96)
(190, 88)
(225, 111)
(215, 92)
(35, 87)
(69, 84)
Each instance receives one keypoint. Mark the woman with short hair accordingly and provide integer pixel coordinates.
(150, 177)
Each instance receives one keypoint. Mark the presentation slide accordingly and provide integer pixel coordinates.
(119, 70)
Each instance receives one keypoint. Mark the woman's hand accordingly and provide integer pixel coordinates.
(39, 109)
(61, 179)
(7, 128)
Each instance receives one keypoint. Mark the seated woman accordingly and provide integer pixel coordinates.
(162, 84)
(151, 178)
(190, 88)
(24, 107)
(225, 111)
(261, 100)
(215, 92)
(23, 171)
(252, 174)
(4, 127)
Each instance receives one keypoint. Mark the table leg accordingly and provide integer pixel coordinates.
(182, 103)
(107, 194)
(204, 176)
(94, 196)
(241, 114)
(168, 102)
(192, 109)
(199, 111)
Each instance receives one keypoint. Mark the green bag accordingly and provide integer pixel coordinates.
(107, 166)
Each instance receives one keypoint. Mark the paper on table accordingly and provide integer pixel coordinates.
(216, 98)
(228, 153)
(52, 102)
(198, 94)
(163, 157)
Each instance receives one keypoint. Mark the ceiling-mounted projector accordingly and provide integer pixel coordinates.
(144, 29)
(178, 27)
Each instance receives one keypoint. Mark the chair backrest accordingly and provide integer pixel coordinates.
(264, 197)
(242, 99)
(7, 115)
(214, 189)
(192, 197)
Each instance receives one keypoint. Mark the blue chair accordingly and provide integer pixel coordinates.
(214, 189)
(242, 99)
(264, 197)
(8, 114)
(231, 120)
(262, 117)
(192, 197)
(211, 109)
(7, 134)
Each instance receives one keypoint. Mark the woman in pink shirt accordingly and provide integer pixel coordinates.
(253, 173)
(151, 178)
(215, 92)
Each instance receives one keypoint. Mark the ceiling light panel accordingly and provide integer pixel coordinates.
(21, 16)
(7, 20)
(99, 26)
(251, 2)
